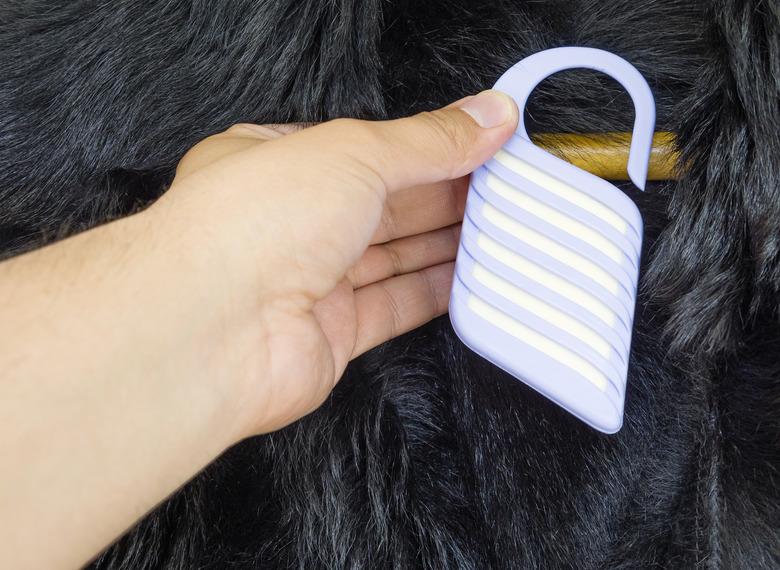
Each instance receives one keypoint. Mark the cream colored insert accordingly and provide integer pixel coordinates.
(550, 247)
(552, 216)
(541, 309)
(547, 279)
(537, 341)
(562, 190)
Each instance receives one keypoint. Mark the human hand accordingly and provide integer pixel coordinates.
(228, 308)
(323, 243)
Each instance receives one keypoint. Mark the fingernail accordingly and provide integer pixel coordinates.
(489, 108)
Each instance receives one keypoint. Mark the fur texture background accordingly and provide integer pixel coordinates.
(426, 456)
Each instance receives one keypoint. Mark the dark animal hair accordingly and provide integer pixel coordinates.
(425, 455)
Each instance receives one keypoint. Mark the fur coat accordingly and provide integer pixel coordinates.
(426, 456)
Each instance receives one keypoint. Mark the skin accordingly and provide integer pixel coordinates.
(133, 354)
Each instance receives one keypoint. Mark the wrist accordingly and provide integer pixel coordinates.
(190, 318)
(212, 320)
(123, 391)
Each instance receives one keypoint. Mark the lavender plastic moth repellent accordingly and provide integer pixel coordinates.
(546, 273)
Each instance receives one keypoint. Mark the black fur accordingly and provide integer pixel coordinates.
(426, 456)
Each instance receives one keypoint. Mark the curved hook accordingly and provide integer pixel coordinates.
(523, 77)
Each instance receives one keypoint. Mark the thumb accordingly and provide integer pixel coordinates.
(422, 149)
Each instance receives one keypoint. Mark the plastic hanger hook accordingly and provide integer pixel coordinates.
(520, 81)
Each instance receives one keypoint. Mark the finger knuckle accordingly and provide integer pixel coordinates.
(432, 295)
(239, 128)
(249, 130)
(394, 258)
(353, 132)
(454, 136)
(395, 317)
(356, 142)
(389, 221)
(192, 157)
